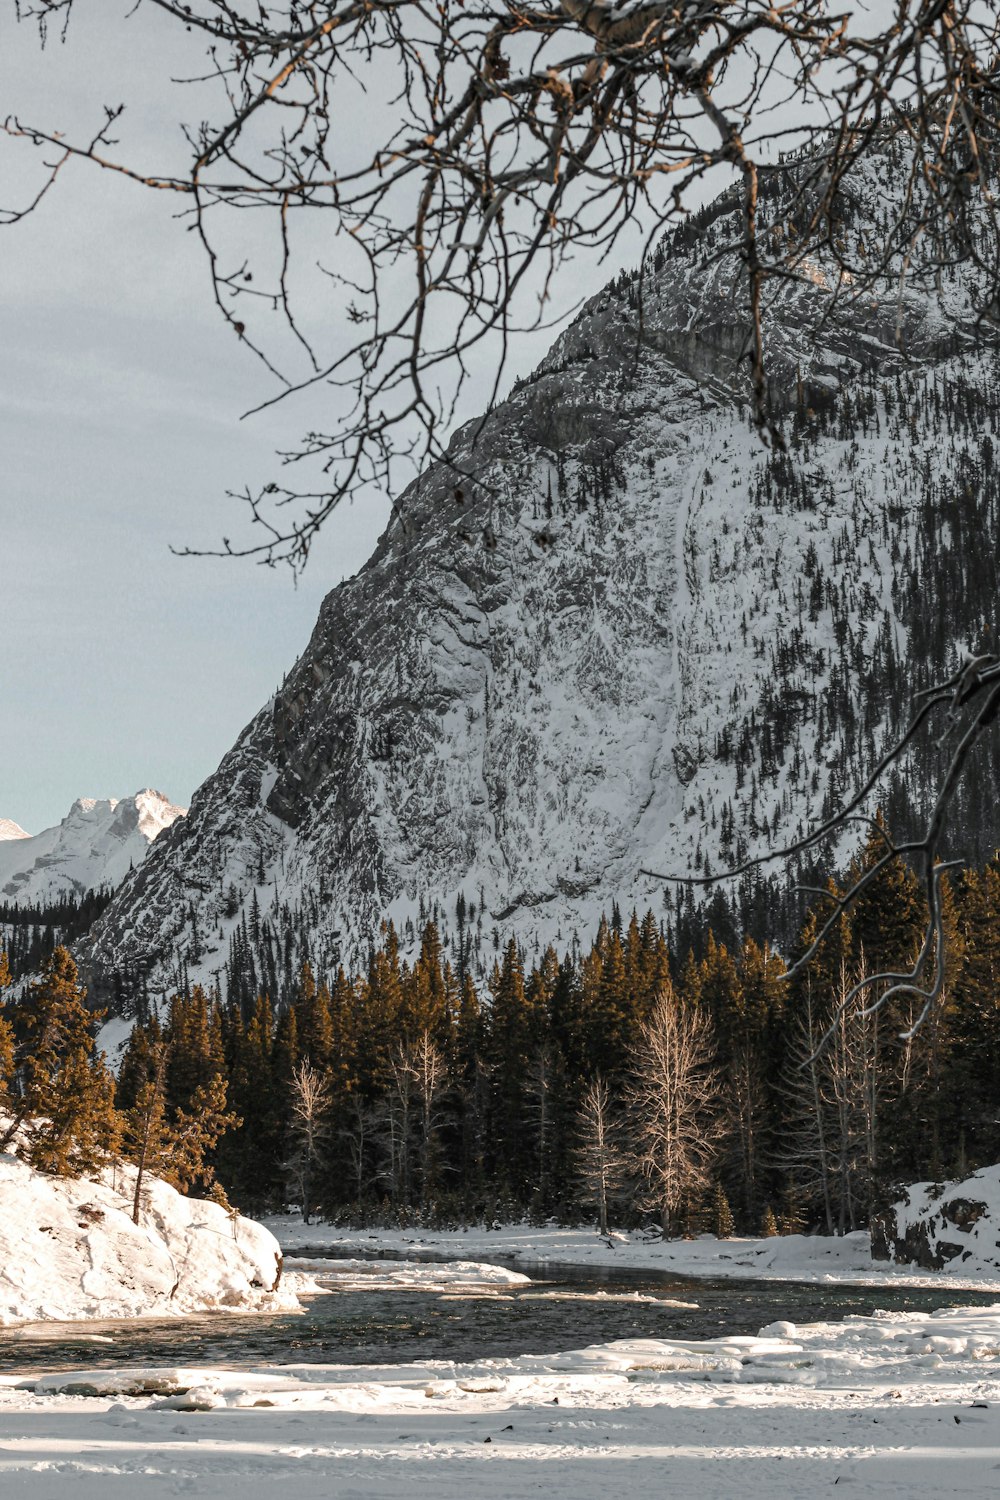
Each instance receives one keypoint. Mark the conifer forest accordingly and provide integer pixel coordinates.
(666, 1074)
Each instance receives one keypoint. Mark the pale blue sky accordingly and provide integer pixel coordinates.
(121, 390)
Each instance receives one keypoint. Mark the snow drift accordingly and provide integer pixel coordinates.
(69, 1249)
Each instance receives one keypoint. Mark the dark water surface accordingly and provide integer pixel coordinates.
(564, 1307)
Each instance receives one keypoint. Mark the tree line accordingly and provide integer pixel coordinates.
(627, 1082)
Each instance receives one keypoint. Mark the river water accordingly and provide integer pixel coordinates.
(563, 1307)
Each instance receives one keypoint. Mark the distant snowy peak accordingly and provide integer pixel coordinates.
(95, 845)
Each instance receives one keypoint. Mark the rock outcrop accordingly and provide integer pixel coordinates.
(936, 1225)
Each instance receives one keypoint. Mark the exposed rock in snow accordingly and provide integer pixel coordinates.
(95, 845)
(634, 637)
(69, 1249)
(952, 1224)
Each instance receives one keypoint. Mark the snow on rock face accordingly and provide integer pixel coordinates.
(9, 830)
(634, 639)
(69, 1249)
(96, 844)
(952, 1225)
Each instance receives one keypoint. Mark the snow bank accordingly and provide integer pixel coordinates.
(952, 1226)
(901, 1405)
(820, 1259)
(69, 1249)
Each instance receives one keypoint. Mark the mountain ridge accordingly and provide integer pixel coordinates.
(616, 631)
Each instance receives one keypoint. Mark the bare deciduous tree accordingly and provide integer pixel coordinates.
(834, 1087)
(673, 1102)
(429, 1071)
(360, 1134)
(599, 1159)
(805, 1150)
(309, 1127)
(851, 1066)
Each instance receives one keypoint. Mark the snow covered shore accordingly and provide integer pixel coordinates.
(69, 1250)
(900, 1405)
(792, 1257)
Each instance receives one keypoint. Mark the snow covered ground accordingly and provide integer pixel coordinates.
(793, 1257)
(69, 1250)
(898, 1405)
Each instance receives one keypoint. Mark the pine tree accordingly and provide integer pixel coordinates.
(315, 1023)
(508, 1049)
(196, 1054)
(6, 1044)
(145, 1125)
(722, 1218)
(194, 1134)
(65, 1120)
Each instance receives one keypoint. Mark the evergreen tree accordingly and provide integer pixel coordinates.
(6, 1044)
(722, 1218)
(145, 1125)
(65, 1121)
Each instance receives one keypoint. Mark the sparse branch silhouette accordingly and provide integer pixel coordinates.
(517, 136)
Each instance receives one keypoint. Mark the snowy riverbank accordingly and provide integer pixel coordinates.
(899, 1405)
(69, 1250)
(810, 1258)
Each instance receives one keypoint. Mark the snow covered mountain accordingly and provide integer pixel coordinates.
(633, 637)
(95, 845)
(9, 830)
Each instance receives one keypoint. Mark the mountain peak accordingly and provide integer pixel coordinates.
(98, 842)
(10, 830)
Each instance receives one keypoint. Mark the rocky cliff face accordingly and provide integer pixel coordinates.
(616, 632)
